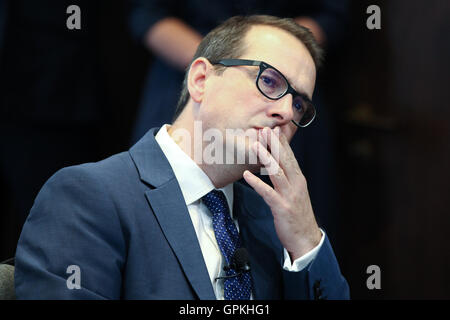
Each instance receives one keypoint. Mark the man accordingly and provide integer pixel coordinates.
(160, 222)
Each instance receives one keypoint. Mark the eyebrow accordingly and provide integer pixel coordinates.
(301, 93)
(253, 72)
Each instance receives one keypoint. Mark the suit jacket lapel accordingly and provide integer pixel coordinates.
(167, 203)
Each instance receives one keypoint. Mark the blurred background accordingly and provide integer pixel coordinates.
(376, 158)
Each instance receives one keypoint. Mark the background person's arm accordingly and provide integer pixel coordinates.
(327, 20)
(314, 27)
(174, 41)
(154, 23)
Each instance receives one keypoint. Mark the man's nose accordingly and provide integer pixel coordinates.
(281, 109)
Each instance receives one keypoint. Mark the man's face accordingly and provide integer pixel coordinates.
(232, 100)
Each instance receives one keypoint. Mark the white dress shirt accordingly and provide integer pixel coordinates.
(195, 184)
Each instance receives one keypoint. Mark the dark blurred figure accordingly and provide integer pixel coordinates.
(172, 31)
(50, 105)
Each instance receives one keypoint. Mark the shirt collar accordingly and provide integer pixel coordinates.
(194, 183)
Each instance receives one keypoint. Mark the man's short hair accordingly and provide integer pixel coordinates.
(226, 42)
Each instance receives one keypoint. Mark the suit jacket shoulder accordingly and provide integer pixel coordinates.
(74, 222)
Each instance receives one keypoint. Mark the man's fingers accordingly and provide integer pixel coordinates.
(263, 189)
(276, 173)
(281, 151)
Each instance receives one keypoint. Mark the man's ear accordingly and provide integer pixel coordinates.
(198, 72)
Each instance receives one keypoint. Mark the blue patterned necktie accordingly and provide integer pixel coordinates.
(227, 236)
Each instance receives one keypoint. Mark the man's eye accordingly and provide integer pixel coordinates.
(271, 83)
(268, 81)
(298, 104)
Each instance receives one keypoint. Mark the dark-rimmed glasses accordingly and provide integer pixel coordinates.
(274, 85)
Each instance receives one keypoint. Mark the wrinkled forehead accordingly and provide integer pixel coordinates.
(285, 52)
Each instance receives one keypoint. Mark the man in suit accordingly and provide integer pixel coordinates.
(159, 222)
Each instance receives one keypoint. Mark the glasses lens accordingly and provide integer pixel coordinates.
(271, 83)
(304, 111)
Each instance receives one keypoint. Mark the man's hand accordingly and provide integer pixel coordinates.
(289, 200)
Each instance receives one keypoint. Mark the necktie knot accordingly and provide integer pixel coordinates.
(216, 203)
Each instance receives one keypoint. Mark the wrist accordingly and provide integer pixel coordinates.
(306, 244)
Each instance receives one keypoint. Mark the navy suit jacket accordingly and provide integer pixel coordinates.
(124, 223)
